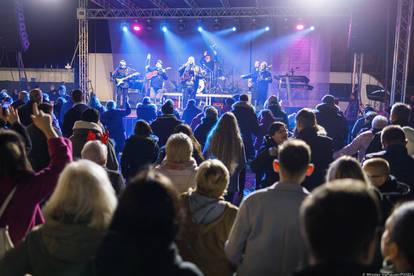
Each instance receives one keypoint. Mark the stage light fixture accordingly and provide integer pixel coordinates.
(164, 28)
(234, 29)
(181, 25)
(300, 27)
(200, 29)
(136, 27)
(312, 28)
(267, 28)
(124, 29)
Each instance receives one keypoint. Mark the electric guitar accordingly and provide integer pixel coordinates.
(154, 73)
(120, 81)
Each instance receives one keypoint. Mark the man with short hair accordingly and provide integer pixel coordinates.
(207, 123)
(146, 110)
(23, 98)
(164, 125)
(339, 223)
(265, 238)
(25, 111)
(74, 113)
(190, 111)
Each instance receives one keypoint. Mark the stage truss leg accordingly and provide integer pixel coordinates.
(83, 45)
(401, 51)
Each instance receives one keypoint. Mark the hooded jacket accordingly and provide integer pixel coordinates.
(182, 175)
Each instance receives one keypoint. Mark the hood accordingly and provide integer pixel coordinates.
(87, 125)
(205, 209)
(242, 104)
(70, 242)
(171, 166)
(327, 108)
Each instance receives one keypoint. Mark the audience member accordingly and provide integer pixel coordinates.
(25, 111)
(228, 103)
(146, 110)
(140, 240)
(190, 111)
(178, 164)
(23, 99)
(141, 149)
(247, 121)
(26, 188)
(207, 123)
(224, 142)
(112, 119)
(262, 165)
(265, 118)
(209, 220)
(360, 144)
(346, 167)
(364, 122)
(164, 125)
(87, 129)
(63, 100)
(97, 152)
(272, 103)
(397, 240)
(395, 152)
(77, 215)
(339, 223)
(265, 238)
(9, 119)
(329, 117)
(74, 113)
(321, 146)
(196, 121)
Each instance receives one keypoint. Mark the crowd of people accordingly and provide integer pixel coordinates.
(78, 197)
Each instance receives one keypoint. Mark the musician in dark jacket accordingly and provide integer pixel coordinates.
(157, 76)
(164, 125)
(321, 147)
(262, 165)
(122, 71)
(264, 78)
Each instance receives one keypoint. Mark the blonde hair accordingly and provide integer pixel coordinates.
(95, 151)
(212, 178)
(83, 195)
(346, 167)
(225, 143)
(179, 148)
(379, 164)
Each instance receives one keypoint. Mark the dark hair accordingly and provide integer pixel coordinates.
(393, 135)
(46, 108)
(274, 127)
(328, 99)
(402, 113)
(294, 157)
(149, 212)
(13, 157)
(211, 112)
(402, 228)
(244, 97)
(307, 118)
(76, 96)
(167, 107)
(186, 129)
(339, 220)
(229, 101)
(191, 102)
(142, 128)
(90, 115)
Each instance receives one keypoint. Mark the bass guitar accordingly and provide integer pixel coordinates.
(120, 81)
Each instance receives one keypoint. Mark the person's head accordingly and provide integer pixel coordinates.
(46, 108)
(229, 101)
(77, 96)
(62, 90)
(168, 107)
(278, 132)
(13, 157)
(339, 222)
(263, 65)
(191, 60)
(328, 99)
(111, 105)
(272, 100)
(244, 98)
(266, 116)
(184, 128)
(146, 100)
(377, 170)
(211, 113)
(397, 240)
(369, 116)
(36, 95)
(212, 178)
(142, 128)
(83, 195)
(257, 64)
(379, 122)
(346, 167)
(95, 151)
(306, 118)
(400, 114)
(179, 148)
(224, 141)
(158, 64)
(122, 64)
(149, 212)
(393, 135)
(293, 163)
(90, 115)
(191, 103)
(24, 96)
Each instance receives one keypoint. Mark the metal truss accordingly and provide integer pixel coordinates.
(192, 4)
(216, 12)
(401, 51)
(159, 4)
(83, 46)
(357, 71)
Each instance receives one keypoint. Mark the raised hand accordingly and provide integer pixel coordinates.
(43, 122)
(13, 116)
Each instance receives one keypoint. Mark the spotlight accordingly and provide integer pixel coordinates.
(234, 29)
(217, 24)
(164, 28)
(312, 28)
(181, 25)
(125, 29)
(267, 28)
(200, 29)
(300, 27)
(136, 27)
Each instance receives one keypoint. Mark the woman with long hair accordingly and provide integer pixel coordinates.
(77, 216)
(346, 167)
(266, 118)
(225, 143)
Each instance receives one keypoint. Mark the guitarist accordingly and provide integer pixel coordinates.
(120, 72)
(190, 74)
(156, 75)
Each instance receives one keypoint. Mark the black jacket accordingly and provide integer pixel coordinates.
(262, 165)
(202, 130)
(71, 116)
(189, 113)
(334, 123)
(25, 112)
(139, 151)
(164, 126)
(146, 112)
(117, 181)
(113, 122)
(279, 114)
(401, 164)
(321, 156)
(248, 124)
